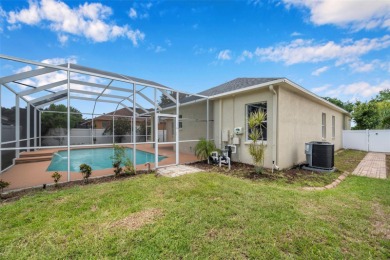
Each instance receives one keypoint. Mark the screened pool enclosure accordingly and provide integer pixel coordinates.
(49, 109)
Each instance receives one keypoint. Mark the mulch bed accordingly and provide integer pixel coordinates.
(15, 195)
(247, 171)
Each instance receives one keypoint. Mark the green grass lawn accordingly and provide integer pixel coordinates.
(205, 215)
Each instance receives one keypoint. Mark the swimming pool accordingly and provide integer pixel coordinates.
(98, 159)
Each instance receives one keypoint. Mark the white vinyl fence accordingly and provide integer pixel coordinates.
(367, 140)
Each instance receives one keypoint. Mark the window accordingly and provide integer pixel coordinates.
(323, 126)
(251, 108)
(180, 122)
(104, 124)
(333, 127)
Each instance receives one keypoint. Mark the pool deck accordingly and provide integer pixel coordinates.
(34, 174)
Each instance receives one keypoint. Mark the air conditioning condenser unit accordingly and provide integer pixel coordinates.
(319, 156)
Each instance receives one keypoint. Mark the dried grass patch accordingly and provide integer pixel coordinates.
(138, 220)
(380, 221)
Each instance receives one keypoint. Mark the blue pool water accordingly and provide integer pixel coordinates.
(98, 159)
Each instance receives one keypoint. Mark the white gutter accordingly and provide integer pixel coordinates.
(274, 127)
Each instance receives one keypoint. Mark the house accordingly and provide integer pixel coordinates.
(4, 120)
(103, 121)
(294, 116)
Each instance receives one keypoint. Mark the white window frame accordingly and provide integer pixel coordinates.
(180, 122)
(247, 116)
(323, 126)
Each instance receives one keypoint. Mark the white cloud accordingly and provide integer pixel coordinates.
(295, 34)
(29, 16)
(245, 55)
(321, 89)
(358, 14)
(359, 90)
(306, 51)
(200, 50)
(362, 67)
(224, 55)
(140, 10)
(58, 76)
(132, 13)
(159, 49)
(59, 61)
(89, 20)
(319, 71)
(3, 16)
(135, 36)
(62, 38)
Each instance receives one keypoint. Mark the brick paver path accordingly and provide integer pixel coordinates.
(373, 165)
(177, 170)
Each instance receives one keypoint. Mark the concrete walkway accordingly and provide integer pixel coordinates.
(177, 170)
(373, 165)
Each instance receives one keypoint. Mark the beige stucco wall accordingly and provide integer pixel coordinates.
(194, 124)
(230, 112)
(300, 121)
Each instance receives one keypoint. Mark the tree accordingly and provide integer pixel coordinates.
(348, 106)
(366, 115)
(121, 127)
(383, 95)
(384, 114)
(166, 101)
(59, 120)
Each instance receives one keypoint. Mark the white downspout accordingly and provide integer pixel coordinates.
(274, 126)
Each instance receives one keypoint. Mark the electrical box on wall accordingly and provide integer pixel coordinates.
(236, 140)
(234, 148)
(238, 130)
(225, 136)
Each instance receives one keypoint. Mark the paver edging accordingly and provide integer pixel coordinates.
(329, 186)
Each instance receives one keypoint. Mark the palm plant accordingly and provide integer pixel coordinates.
(256, 150)
(204, 148)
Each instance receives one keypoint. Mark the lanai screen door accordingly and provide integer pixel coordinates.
(166, 136)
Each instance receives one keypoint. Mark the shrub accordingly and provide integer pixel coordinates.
(204, 148)
(3, 184)
(86, 171)
(117, 167)
(256, 150)
(118, 157)
(56, 176)
(129, 167)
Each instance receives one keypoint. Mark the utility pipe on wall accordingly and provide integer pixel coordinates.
(274, 126)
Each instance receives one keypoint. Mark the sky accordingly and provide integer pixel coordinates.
(334, 48)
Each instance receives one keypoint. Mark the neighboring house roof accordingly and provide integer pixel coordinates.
(4, 120)
(119, 112)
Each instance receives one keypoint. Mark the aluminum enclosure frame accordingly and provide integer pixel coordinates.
(37, 105)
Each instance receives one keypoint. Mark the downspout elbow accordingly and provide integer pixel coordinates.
(271, 88)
